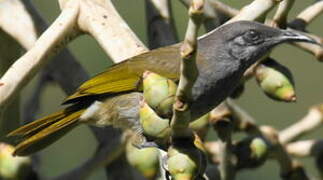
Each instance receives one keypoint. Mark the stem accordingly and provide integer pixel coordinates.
(224, 131)
(311, 121)
(256, 10)
(280, 18)
(100, 19)
(20, 73)
(189, 72)
(311, 12)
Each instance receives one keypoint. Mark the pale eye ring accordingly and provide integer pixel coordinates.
(251, 36)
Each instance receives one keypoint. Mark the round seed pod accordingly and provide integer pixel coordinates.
(13, 167)
(145, 160)
(153, 125)
(159, 93)
(276, 81)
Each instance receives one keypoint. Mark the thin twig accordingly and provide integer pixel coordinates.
(25, 67)
(16, 21)
(311, 121)
(224, 129)
(305, 148)
(281, 15)
(289, 168)
(255, 10)
(87, 15)
(308, 148)
(227, 10)
(208, 12)
(97, 17)
(311, 12)
(189, 72)
(213, 18)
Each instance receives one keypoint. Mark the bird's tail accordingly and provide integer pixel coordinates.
(43, 132)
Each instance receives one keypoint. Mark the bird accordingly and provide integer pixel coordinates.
(113, 96)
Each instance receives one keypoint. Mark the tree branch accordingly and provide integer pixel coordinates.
(311, 12)
(255, 10)
(96, 16)
(25, 67)
(311, 121)
(280, 17)
(189, 72)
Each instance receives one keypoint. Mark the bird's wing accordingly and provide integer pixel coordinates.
(126, 76)
(115, 80)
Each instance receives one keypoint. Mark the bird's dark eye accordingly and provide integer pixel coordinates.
(252, 36)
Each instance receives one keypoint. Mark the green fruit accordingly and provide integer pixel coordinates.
(276, 81)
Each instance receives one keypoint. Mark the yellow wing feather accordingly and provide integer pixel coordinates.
(114, 80)
(126, 76)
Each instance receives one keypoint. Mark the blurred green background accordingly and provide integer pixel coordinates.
(79, 145)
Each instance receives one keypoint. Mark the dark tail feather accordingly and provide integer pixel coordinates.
(35, 126)
(43, 132)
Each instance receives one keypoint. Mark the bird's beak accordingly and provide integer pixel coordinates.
(292, 35)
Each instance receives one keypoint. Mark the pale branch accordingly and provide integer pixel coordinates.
(161, 29)
(255, 11)
(189, 72)
(212, 19)
(208, 12)
(19, 74)
(16, 21)
(75, 15)
(97, 17)
(245, 13)
(63, 69)
(223, 122)
(311, 12)
(223, 8)
(289, 168)
(311, 121)
(224, 129)
(213, 150)
(182, 137)
(281, 15)
(314, 49)
(305, 148)
(308, 148)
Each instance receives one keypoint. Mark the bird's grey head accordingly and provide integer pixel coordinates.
(248, 41)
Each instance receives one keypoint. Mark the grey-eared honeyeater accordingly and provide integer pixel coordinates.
(112, 97)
